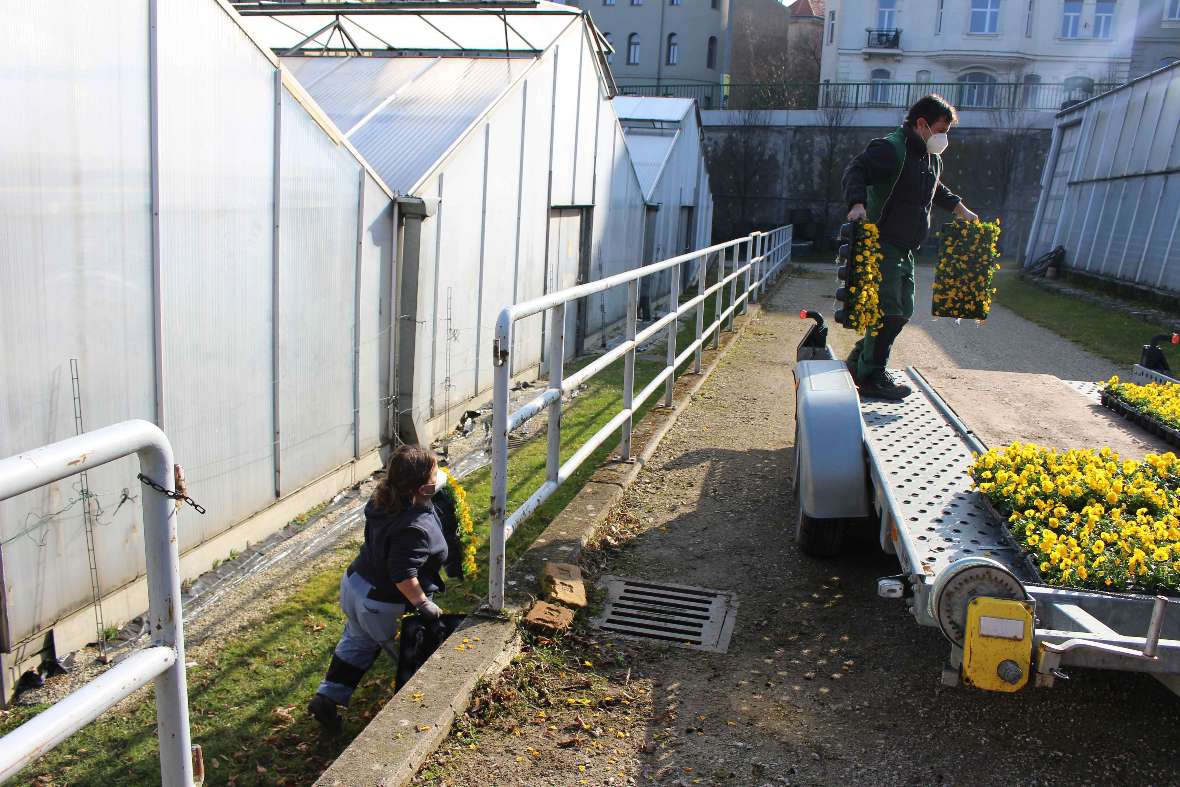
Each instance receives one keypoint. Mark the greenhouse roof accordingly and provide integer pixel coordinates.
(403, 114)
(405, 81)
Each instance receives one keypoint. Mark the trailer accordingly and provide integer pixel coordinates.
(900, 470)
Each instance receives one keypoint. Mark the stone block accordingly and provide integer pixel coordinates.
(549, 617)
(562, 582)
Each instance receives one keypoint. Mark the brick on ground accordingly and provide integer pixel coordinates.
(549, 616)
(562, 582)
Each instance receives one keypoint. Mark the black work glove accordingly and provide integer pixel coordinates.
(428, 610)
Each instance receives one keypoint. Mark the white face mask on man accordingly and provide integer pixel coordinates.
(937, 143)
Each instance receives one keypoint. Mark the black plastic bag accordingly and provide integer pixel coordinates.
(418, 640)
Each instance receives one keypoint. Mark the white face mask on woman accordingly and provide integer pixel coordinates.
(437, 482)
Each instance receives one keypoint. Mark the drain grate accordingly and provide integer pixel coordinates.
(694, 617)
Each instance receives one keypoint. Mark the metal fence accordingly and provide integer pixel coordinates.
(1043, 97)
(163, 661)
(756, 259)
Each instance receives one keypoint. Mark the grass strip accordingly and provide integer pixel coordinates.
(1108, 333)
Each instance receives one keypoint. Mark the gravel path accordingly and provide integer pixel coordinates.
(824, 682)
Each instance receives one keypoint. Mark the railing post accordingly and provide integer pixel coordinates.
(751, 247)
(502, 366)
(673, 326)
(164, 616)
(629, 367)
(556, 362)
(737, 262)
(720, 296)
(702, 266)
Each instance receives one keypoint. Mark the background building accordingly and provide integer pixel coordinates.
(658, 42)
(1157, 36)
(773, 42)
(1055, 51)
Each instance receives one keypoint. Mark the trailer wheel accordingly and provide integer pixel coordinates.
(816, 537)
(821, 537)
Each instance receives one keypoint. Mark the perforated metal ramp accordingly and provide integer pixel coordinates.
(919, 463)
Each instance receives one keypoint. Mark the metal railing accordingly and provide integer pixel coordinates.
(966, 96)
(163, 661)
(886, 38)
(755, 259)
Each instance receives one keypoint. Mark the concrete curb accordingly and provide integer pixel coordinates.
(391, 749)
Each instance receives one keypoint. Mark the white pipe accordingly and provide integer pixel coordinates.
(30, 470)
(50, 727)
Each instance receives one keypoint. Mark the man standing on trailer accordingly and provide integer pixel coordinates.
(893, 183)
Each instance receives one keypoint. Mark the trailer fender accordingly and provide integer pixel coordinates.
(829, 442)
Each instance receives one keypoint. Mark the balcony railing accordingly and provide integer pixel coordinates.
(883, 38)
(966, 96)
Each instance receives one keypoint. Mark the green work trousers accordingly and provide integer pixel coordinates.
(897, 302)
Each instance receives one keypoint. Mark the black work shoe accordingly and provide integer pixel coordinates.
(879, 385)
(323, 710)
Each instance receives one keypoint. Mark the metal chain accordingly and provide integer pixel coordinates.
(174, 495)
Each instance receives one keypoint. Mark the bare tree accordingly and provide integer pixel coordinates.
(1013, 117)
(745, 170)
(835, 120)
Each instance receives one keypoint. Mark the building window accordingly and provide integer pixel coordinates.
(610, 55)
(938, 18)
(715, 4)
(1030, 91)
(673, 49)
(711, 53)
(636, 2)
(673, 2)
(608, 2)
(1103, 18)
(1172, 12)
(978, 89)
(923, 75)
(832, 25)
(1071, 19)
(1028, 20)
(633, 49)
(879, 86)
(985, 16)
(886, 14)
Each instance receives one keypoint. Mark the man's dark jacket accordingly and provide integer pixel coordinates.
(905, 218)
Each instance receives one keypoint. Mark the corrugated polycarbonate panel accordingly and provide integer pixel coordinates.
(670, 110)
(377, 241)
(648, 153)
(348, 89)
(567, 62)
(1164, 246)
(534, 222)
(1146, 212)
(75, 282)
(1128, 123)
(588, 109)
(411, 133)
(504, 152)
(216, 212)
(457, 270)
(317, 269)
(1164, 148)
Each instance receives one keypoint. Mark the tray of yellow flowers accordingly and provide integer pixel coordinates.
(967, 260)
